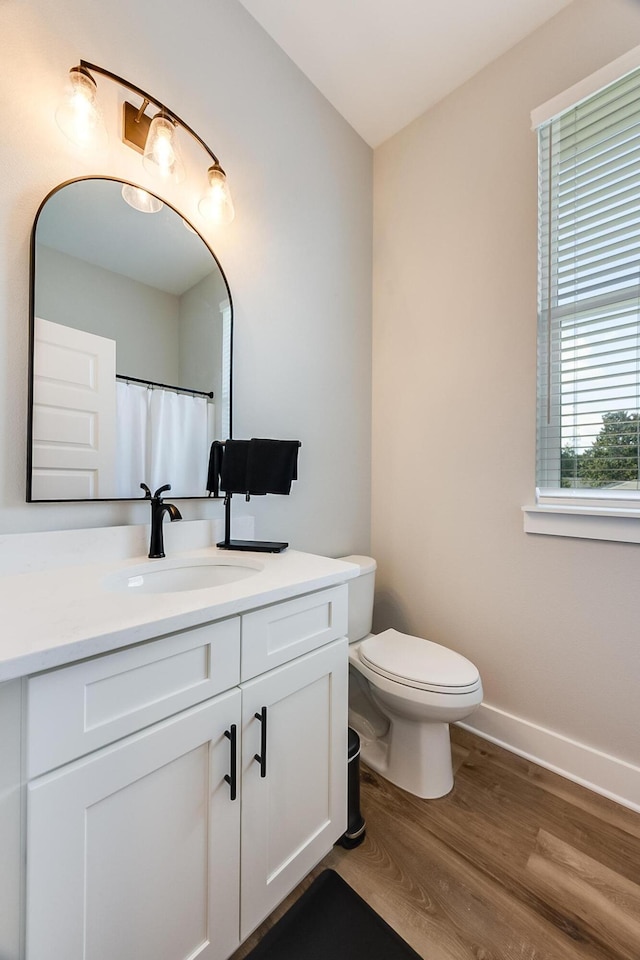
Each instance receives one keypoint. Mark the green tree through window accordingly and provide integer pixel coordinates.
(612, 458)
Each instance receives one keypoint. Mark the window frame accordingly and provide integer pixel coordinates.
(603, 514)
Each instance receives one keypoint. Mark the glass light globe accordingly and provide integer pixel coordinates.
(216, 204)
(79, 115)
(162, 152)
(140, 200)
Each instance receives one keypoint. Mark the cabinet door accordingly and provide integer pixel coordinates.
(294, 797)
(133, 851)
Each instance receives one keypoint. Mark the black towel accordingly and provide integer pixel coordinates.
(271, 465)
(215, 467)
(233, 475)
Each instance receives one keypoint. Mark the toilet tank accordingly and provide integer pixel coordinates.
(361, 591)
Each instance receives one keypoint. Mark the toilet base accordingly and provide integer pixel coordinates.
(404, 730)
(415, 756)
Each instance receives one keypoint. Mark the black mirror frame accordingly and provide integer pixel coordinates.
(32, 271)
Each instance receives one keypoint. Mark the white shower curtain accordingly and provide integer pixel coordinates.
(179, 442)
(132, 432)
(162, 437)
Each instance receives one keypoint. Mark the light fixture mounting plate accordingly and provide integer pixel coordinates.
(135, 126)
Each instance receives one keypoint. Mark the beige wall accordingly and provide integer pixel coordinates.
(297, 257)
(552, 623)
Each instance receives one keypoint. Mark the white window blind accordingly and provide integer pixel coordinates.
(589, 298)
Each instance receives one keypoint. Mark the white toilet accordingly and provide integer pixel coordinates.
(403, 694)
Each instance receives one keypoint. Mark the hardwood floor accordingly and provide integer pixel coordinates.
(516, 863)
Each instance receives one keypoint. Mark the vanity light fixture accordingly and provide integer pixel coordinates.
(155, 137)
(161, 151)
(79, 115)
(216, 204)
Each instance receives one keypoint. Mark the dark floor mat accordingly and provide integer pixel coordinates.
(331, 922)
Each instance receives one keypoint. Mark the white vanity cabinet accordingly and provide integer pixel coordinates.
(179, 789)
(133, 852)
(294, 745)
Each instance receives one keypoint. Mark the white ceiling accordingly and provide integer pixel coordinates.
(383, 64)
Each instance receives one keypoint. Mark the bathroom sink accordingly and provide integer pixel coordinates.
(177, 577)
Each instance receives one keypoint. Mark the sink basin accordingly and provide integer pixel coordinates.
(177, 577)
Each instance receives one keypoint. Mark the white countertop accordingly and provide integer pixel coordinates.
(54, 616)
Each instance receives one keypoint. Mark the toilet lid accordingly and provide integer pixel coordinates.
(418, 662)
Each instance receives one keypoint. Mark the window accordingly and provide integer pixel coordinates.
(588, 436)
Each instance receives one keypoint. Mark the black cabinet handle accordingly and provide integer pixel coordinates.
(262, 756)
(232, 777)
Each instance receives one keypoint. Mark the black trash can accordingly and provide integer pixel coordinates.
(355, 831)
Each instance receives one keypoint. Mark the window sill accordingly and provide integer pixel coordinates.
(585, 523)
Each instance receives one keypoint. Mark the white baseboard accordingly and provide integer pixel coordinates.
(600, 772)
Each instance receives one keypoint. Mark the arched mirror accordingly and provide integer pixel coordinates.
(131, 345)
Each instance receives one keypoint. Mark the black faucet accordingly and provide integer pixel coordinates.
(158, 510)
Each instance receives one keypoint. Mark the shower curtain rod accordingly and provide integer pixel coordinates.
(165, 386)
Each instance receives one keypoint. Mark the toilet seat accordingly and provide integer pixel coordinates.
(416, 662)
